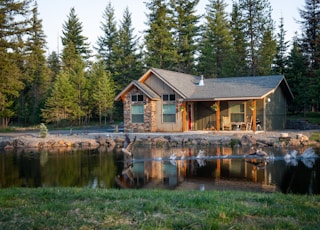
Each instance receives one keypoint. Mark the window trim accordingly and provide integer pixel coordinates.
(138, 97)
(169, 114)
(231, 104)
(137, 114)
(169, 97)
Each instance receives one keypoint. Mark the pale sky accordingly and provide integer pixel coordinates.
(54, 14)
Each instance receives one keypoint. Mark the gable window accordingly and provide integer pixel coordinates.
(169, 113)
(168, 97)
(137, 113)
(137, 97)
(237, 112)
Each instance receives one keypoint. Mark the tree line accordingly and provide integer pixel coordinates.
(79, 84)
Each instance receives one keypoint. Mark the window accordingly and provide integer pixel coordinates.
(168, 97)
(137, 113)
(237, 112)
(137, 97)
(169, 113)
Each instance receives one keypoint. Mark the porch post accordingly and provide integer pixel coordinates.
(184, 117)
(218, 116)
(254, 115)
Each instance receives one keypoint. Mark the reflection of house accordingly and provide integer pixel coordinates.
(163, 100)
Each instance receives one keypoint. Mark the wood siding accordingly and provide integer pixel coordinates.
(158, 86)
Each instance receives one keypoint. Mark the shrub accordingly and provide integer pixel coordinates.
(43, 130)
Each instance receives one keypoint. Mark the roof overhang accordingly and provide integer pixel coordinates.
(142, 87)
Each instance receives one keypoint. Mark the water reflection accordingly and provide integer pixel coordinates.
(163, 168)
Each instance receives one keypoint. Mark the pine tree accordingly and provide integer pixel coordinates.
(37, 78)
(102, 91)
(185, 32)
(266, 54)
(127, 67)
(310, 25)
(257, 22)
(159, 45)
(75, 60)
(60, 106)
(239, 43)
(14, 26)
(54, 65)
(108, 41)
(282, 47)
(296, 77)
(72, 34)
(216, 42)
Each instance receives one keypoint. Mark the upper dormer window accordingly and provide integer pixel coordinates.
(169, 97)
(137, 97)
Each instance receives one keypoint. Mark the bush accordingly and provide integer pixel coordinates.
(43, 130)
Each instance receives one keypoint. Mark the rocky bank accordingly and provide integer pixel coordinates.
(111, 140)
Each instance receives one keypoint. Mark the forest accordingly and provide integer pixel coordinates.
(78, 85)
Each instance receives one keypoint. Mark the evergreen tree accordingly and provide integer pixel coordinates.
(311, 31)
(54, 65)
(37, 78)
(14, 26)
(72, 34)
(256, 18)
(185, 32)
(216, 42)
(60, 106)
(102, 91)
(108, 41)
(266, 54)
(282, 47)
(74, 57)
(159, 45)
(239, 43)
(311, 47)
(296, 77)
(127, 67)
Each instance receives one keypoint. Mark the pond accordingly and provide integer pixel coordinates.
(152, 167)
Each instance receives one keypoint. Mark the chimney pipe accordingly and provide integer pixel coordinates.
(201, 82)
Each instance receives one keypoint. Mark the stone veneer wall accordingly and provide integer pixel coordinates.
(149, 124)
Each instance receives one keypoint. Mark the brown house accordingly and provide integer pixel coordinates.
(168, 101)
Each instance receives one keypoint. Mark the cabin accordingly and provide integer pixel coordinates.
(168, 101)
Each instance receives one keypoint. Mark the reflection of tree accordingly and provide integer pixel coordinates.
(9, 170)
(80, 168)
(299, 179)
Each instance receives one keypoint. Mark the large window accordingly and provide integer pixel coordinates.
(137, 113)
(237, 112)
(169, 113)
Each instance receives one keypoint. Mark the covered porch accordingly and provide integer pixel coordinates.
(244, 115)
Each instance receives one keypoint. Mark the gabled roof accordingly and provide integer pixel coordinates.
(142, 87)
(231, 88)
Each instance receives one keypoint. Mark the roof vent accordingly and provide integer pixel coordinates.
(201, 82)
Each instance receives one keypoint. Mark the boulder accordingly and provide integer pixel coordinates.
(247, 140)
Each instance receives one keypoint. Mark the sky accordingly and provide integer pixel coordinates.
(55, 13)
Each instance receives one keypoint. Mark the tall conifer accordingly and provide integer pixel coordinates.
(159, 45)
(185, 33)
(14, 26)
(216, 42)
(108, 41)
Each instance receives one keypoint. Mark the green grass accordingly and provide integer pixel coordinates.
(312, 117)
(77, 208)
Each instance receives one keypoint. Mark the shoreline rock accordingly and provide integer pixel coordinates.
(110, 141)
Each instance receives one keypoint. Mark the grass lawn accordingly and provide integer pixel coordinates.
(81, 208)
